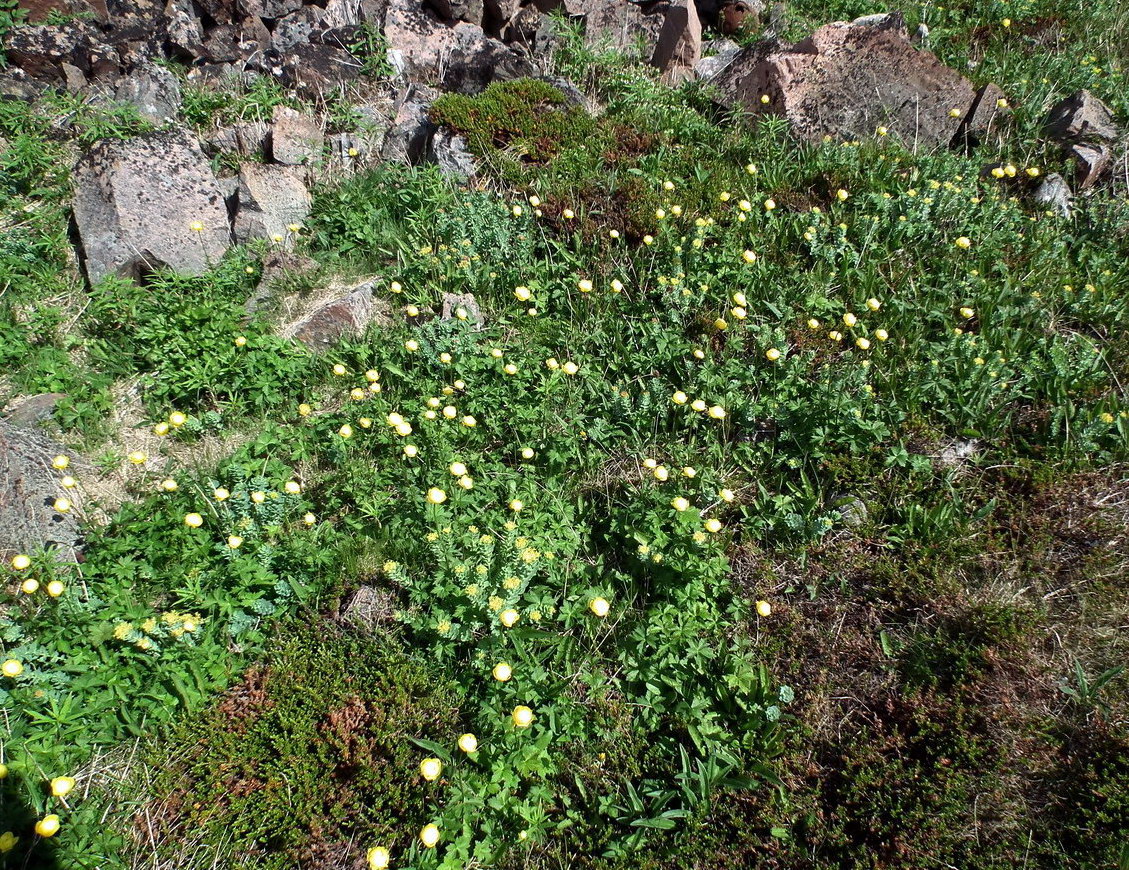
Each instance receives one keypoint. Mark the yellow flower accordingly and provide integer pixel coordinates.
(304, 410)
(726, 495)
(713, 525)
(436, 496)
(584, 285)
(345, 431)
(193, 521)
(527, 453)
(516, 505)
(749, 256)
(570, 368)
(457, 469)
(764, 609)
(873, 304)
(772, 354)
(881, 334)
(1106, 417)
(430, 769)
(160, 430)
(680, 398)
(720, 325)
(221, 494)
(309, 519)
(600, 607)
(61, 786)
(568, 214)
(522, 716)
(617, 285)
(379, 858)
(862, 343)
(8, 841)
(849, 319)
(169, 485)
(698, 405)
(661, 474)
(29, 586)
(234, 542)
(468, 743)
(680, 504)
(835, 335)
(769, 204)
(509, 617)
(967, 313)
(502, 672)
(240, 341)
(717, 412)
(963, 242)
(466, 482)
(689, 471)
(412, 345)
(841, 195)
(12, 668)
(258, 496)
(68, 482)
(55, 588)
(60, 462)
(495, 603)
(48, 826)
(429, 835)
(21, 562)
(196, 226)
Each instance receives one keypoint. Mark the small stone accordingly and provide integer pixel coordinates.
(1081, 117)
(1053, 193)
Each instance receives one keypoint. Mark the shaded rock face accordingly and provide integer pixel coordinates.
(153, 90)
(679, 45)
(348, 312)
(845, 80)
(1081, 117)
(449, 151)
(28, 489)
(136, 203)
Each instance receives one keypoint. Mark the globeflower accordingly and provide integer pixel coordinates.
(21, 562)
(56, 588)
(967, 313)
(717, 412)
(680, 504)
(600, 607)
(48, 826)
(502, 672)
(379, 858)
(468, 743)
(963, 242)
(429, 835)
(522, 716)
(764, 609)
(772, 354)
(193, 521)
(509, 617)
(61, 786)
(430, 769)
(679, 398)
(436, 496)
(849, 319)
(30, 586)
(713, 525)
(12, 668)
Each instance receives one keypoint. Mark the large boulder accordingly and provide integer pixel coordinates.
(149, 202)
(296, 138)
(271, 199)
(28, 489)
(845, 80)
(620, 25)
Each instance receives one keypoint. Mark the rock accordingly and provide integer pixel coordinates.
(343, 13)
(270, 199)
(295, 28)
(986, 111)
(453, 303)
(246, 139)
(136, 202)
(893, 21)
(316, 70)
(38, 11)
(680, 40)
(958, 453)
(739, 17)
(40, 51)
(409, 137)
(348, 312)
(275, 9)
(846, 80)
(1091, 160)
(1054, 194)
(721, 53)
(625, 27)
(185, 35)
(852, 509)
(460, 58)
(523, 28)
(296, 137)
(30, 411)
(74, 80)
(279, 267)
(28, 488)
(1081, 117)
(154, 90)
(449, 151)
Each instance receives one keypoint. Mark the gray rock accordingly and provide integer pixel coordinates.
(247, 139)
(720, 53)
(408, 140)
(1092, 161)
(270, 199)
(136, 203)
(453, 303)
(449, 151)
(28, 489)
(852, 509)
(958, 453)
(183, 27)
(1081, 117)
(884, 21)
(296, 28)
(30, 411)
(154, 90)
(1054, 194)
(348, 311)
(625, 27)
(296, 137)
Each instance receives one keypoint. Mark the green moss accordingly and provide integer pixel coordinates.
(529, 120)
(309, 756)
